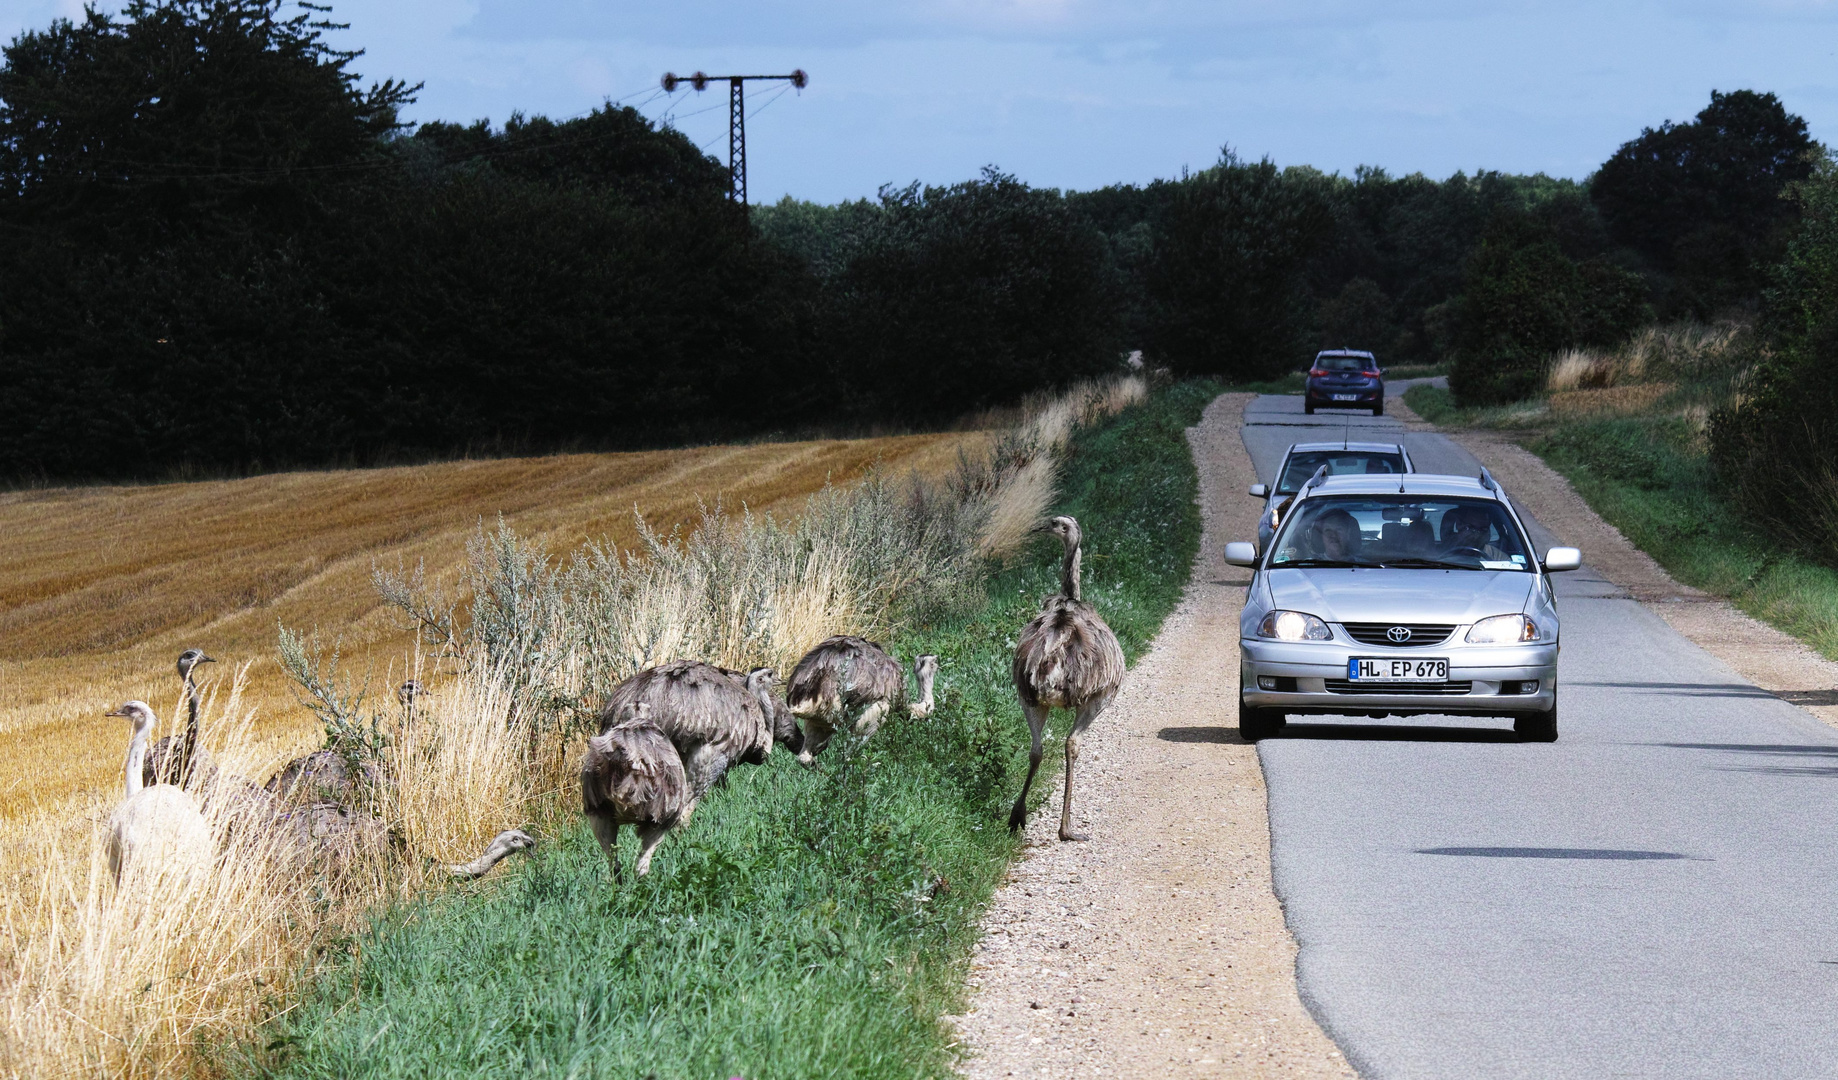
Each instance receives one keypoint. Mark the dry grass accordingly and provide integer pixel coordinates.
(1625, 400)
(103, 586)
(1678, 351)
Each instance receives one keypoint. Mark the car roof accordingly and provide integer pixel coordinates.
(1412, 483)
(1369, 447)
(1342, 352)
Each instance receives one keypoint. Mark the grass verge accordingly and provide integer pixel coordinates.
(1650, 477)
(809, 922)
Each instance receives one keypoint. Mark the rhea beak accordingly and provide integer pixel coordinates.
(116, 712)
(207, 659)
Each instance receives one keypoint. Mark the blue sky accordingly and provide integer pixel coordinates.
(1082, 93)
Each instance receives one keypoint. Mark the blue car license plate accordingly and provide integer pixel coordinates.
(1398, 669)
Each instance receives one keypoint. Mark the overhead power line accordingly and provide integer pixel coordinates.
(737, 116)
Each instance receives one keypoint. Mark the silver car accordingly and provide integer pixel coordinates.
(1399, 596)
(1303, 460)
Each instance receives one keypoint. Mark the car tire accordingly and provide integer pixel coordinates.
(1256, 724)
(1537, 727)
(1308, 407)
(1379, 409)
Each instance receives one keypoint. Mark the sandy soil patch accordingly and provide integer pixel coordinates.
(1158, 948)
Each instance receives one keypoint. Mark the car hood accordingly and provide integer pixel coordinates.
(1421, 596)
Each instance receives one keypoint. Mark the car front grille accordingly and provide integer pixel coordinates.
(1379, 633)
(1347, 686)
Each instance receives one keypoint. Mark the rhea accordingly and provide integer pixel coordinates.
(1066, 658)
(180, 759)
(631, 775)
(713, 718)
(158, 828)
(852, 682)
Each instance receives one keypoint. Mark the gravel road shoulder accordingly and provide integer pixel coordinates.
(1158, 948)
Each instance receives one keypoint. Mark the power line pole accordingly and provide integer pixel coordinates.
(737, 118)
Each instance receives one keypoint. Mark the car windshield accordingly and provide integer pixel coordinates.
(1401, 531)
(1342, 363)
(1303, 463)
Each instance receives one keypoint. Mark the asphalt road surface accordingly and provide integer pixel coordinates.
(1655, 894)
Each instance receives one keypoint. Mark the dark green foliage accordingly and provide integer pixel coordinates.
(1524, 298)
(807, 922)
(957, 298)
(1773, 447)
(1701, 201)
(1226, 287)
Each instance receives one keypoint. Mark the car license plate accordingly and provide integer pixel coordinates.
(1412, 669)
(1346, 397)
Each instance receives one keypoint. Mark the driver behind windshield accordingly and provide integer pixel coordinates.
(1466, 530)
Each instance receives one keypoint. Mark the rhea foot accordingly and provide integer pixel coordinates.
(1068, 834)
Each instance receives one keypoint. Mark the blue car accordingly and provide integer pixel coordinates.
(1345, 379)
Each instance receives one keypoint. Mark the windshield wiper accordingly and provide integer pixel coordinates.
(1319, 564)
(1429, 564)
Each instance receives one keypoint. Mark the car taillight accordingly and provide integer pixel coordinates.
(1316, 373)
(1370, 374)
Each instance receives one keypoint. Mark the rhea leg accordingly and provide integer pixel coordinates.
(1037, 725)
(1086, 714)
(704, 766)
(649, 836)
(606, 830)
(869, 721)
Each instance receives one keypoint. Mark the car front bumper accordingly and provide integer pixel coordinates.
(1320, 685)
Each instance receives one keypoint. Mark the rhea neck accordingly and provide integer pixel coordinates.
(1069, 569)
(137, 757)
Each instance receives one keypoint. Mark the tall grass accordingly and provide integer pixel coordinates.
(160, 978)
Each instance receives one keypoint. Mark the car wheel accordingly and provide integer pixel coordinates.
(1537, 727)
(1379, 409)
(1255, 724)
(1308, 407)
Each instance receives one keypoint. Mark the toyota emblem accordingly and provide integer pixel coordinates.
(1399, 634)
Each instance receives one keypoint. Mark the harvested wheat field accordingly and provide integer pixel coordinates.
(101, 587)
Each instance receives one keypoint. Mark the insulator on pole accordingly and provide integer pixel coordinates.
(699, 81)
(669, 82)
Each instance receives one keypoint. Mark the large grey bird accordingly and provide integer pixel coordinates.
(848, 681)
(157, 828)
(631, 774)
(1066, 658)
(181, 759)
(503, 845)
(712, 718)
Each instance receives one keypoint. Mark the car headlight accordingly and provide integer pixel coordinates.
(1294, 626)
(1503, 630)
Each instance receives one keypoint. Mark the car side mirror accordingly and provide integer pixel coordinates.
(1240, 553)
(1562, 558)
(1259, 491)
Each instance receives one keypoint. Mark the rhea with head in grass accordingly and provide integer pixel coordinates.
(851, 682)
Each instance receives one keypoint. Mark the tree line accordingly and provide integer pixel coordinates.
(223, 252)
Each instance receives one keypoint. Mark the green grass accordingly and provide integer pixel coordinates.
(1649, 477)
(808, 923)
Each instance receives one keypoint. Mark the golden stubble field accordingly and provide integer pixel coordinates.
(102, 587)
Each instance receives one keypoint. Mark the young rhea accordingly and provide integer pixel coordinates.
(851, 681)
(157, 829)
(632, 775)
(712, 718)
(1066, 658)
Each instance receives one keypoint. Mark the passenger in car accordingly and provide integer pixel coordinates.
(1339, 536)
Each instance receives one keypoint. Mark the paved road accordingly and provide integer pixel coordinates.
(1655, 894)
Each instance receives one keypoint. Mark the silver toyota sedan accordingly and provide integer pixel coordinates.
(1400, 596)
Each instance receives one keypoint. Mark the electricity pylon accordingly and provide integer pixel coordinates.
(737, 118)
